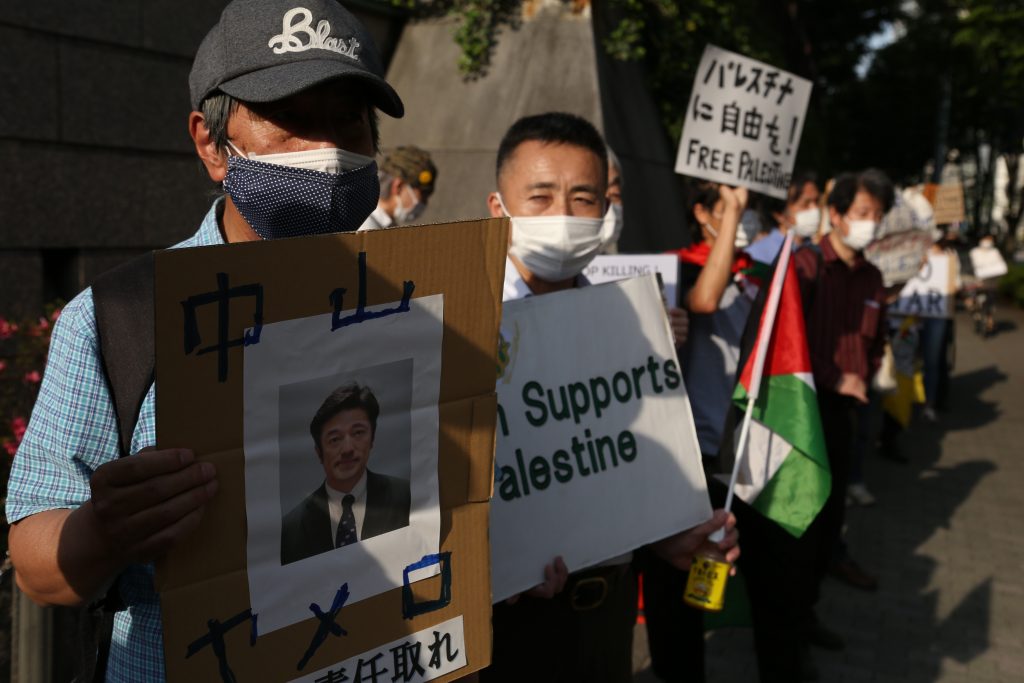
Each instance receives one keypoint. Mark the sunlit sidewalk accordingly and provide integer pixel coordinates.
(945, 539)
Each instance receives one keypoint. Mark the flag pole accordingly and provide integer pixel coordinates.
(764, 337)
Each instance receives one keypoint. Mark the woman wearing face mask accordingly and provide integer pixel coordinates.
(798, 212)
(719, 302)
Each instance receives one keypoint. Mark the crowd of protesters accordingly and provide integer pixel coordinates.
(85, 519)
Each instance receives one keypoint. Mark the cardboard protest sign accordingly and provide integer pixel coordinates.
(947, 202)
(342, 385)
(612, 267)
(743, 123)
(899, 256)
(929, 294)
(597, 452)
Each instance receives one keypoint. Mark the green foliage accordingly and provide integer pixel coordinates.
(479, 23)
(669, 37)
(820, 41)
(23, 348)
(889, 119)
(1011, 285)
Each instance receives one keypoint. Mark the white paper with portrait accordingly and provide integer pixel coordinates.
(296, 365)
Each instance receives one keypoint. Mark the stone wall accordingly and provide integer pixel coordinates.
(96, 164)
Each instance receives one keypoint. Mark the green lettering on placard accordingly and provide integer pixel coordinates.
(672, 377)
(627, 446)
(538, 404)
(540, 473)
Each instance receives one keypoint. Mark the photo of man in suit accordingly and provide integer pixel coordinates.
(353, 503)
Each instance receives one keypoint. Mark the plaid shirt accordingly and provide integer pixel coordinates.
(72, 432)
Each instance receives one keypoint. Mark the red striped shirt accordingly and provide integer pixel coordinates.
(846, 314)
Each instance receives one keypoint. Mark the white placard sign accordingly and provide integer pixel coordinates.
(899, 256)
(743, 124)
(421, 656)
(929, 294)
(612, 267)
(291, 378)
(597, 452)
(987, 263)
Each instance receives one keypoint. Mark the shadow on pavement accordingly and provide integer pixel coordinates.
(906, 631)
(929, 539)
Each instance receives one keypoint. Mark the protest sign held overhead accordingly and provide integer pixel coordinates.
(612, 267)
(743, 123)
(597, 452)
(343, 386)
(947, 202)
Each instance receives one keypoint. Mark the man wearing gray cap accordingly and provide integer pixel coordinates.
(284, 102)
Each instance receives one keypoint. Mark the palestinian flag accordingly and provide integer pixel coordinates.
(785, 474)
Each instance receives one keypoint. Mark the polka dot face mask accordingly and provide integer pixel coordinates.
(280, 200)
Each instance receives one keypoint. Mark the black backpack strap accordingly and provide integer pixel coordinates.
(123, 302)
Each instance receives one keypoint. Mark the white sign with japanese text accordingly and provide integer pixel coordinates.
(597, 451)
(612, 267)
(743, 123)
(421, 656)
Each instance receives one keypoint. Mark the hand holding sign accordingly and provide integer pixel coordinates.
(734, 198)
(556, 574)
(679, 320)
(743, 123)
(145, 504)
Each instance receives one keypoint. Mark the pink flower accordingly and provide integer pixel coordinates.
(44, 324)
(18, 427)
(32, 377)
(10, 447)
(7, 328)
(55, 315)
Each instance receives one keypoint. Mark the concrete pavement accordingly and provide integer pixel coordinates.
(945, 540)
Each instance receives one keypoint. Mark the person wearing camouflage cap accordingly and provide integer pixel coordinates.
(407, 177)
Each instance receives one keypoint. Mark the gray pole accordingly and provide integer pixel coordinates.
(942, 127)
(32, 632)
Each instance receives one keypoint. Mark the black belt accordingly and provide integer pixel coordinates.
(588, 589)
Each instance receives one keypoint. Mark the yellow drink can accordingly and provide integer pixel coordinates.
(705, 588)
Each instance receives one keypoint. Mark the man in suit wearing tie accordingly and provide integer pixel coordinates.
(353, 503)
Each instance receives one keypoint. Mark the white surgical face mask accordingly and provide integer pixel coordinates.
(861, 234)
(741, 241)
(405, 215)
(330, 160)
(806, 222)
(554, 248)
(611, 227)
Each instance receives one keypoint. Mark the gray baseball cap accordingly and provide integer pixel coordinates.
(265, 50)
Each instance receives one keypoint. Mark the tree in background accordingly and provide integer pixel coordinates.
(953, 80)
(948, 74)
